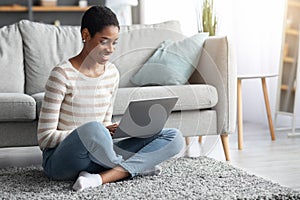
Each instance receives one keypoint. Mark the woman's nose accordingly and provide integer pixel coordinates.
(110, 48)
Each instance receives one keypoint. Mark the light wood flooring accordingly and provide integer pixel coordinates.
(278, 161)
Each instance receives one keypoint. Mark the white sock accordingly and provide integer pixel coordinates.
(156, 170)
(86, 180)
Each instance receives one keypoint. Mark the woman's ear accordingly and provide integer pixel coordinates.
(85, 34)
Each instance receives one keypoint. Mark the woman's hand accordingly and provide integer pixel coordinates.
(112, 128)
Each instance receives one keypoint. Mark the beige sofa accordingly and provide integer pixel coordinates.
(29, 50)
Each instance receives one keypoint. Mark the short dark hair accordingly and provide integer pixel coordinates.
(96, 18)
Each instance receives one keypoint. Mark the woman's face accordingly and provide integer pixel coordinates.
(102, 44)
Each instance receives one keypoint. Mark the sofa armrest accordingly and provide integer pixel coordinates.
(217, 67)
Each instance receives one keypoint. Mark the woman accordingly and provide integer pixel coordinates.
(75, 128)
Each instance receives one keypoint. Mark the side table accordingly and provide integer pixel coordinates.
(239, 102)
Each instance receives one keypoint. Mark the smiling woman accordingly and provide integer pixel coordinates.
(96, 51)
(75, 126)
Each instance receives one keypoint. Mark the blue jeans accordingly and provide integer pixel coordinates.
(91, 148)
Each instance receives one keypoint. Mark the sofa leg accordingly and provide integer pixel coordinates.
(225, 143)
(200, 139)
(187, 141)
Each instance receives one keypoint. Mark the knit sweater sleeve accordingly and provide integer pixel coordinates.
(48, 134)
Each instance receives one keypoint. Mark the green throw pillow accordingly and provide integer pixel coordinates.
(172, 63)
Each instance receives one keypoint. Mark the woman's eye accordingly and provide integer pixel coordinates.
(104, 42)
(108, 42)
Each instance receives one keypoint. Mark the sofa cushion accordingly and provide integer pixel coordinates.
(11, 60)
(17, 107)
(44, 47)
(137, 43)
(191, 97)
(193, 122)
(190, 122)
(172, 63)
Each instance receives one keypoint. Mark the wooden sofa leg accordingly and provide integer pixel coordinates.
(225, 143)
(200, 139)
(187, 141)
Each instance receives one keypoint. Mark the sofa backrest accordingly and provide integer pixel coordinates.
(11, 60)
(45, 46)
(137, 43)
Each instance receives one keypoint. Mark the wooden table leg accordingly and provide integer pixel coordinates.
(265, 91)
(240, 114)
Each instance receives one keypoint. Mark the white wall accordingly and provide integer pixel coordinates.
(255, 28)
(122, 8)
(155, 11)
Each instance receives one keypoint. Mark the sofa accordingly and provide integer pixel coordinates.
(29, 50)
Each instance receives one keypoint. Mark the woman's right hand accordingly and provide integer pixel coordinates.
(112, 128)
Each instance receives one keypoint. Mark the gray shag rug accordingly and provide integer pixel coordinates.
(182, 178)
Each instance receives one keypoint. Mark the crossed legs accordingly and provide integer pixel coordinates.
(90, 149)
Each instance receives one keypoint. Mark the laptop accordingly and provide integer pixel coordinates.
(145, 118)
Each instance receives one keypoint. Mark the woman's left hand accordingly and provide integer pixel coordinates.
(112, 128)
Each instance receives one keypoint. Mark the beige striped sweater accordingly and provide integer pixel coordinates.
(72, 99)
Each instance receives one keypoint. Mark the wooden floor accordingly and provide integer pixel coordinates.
(278, 161)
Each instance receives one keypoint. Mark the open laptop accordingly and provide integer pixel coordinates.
(145, 118)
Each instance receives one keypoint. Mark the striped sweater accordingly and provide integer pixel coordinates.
(72, 99)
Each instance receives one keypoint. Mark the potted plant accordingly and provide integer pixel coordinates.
(209, 20)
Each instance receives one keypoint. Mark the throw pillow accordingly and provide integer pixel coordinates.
(172, 63)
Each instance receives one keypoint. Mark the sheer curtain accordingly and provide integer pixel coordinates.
(256, 30)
